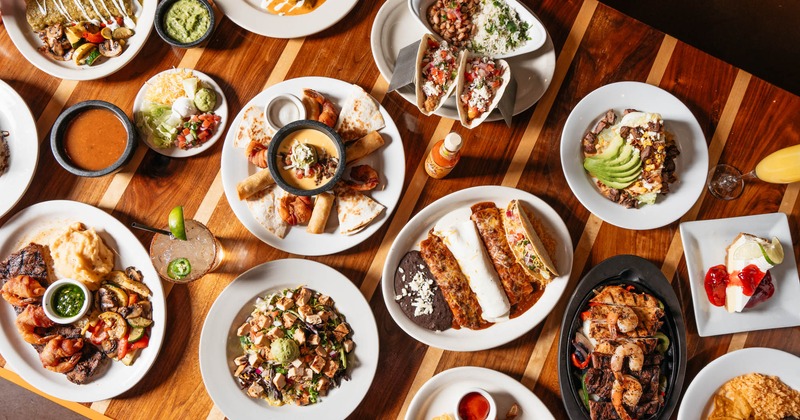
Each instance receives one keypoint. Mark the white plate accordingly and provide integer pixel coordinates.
(395, 27)
(691, 165)
(389, 161)
(220, 109)
(536, 31)
(28, 42)
(697, 402)
(704, 244)
(25, 227)
(500, 333)
(441, 393)
(251, 16)
(23, 147)
(219, 344)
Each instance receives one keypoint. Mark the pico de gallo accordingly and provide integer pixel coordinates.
(482, 80)
(438, 71)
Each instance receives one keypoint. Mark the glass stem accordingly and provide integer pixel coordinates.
(750, 175)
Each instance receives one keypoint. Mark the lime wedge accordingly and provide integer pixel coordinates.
(773, 252)
(176, 223)
(749, 251)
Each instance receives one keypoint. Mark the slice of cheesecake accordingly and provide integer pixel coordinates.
(747, 260)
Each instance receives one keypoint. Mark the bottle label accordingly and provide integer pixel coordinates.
(434, 169)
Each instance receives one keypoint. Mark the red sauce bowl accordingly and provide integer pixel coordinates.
(476, 404)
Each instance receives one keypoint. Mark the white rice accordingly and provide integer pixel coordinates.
(499, 29)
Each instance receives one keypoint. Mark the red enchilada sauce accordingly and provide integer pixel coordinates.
(95, 139)
(473, 406)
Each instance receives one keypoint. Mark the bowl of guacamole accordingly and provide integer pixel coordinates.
(184, 23)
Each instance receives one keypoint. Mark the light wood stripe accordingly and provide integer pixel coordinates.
(210, 201)
(536, 123)
(738, 341)
(215, 414)
(662, 60)
(76, 407)
(101, 406)
(54, 107)
(718, 140)
(426, 370)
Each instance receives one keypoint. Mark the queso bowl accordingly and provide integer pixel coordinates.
(60, 129)
(284, 134)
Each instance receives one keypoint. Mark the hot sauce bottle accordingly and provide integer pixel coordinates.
(444, 156)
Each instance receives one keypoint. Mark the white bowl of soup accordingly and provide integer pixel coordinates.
(93, 138)
(306, 158)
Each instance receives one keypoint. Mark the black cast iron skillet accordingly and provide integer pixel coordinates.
(647, 278)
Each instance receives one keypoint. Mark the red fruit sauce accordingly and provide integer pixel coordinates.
(754, 282)
(473, 406)
(716, 282)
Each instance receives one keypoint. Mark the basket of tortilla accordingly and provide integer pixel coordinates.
(480, 85)
(436, 73)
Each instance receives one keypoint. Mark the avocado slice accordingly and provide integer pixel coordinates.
(613, 148)
(619, 170)
(626, 154)
(616, 185)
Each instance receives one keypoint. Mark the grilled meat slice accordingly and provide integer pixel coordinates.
(600, 382)
(604, 410)
(601, 361)
(91, 361)
(29, 261)
(617, 295)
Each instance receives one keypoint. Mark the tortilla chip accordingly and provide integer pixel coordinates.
(253, 127)
(361, 113)
(355, 210)
(263, 206)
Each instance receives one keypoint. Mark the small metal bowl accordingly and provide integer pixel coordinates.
(491, 415)
(161, 26)
(60, 129)
(279, 102)
(49, 305)
(283, 134)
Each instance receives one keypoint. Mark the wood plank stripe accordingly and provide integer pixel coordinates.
(514, 173)
(76, 407)
(718, 140)
(54, 107)
(536, 123)
(738, 341)
(662, 60)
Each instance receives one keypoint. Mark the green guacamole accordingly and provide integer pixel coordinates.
(187, 21)
(68, 300)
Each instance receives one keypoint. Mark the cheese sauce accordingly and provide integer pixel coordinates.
(307, 159)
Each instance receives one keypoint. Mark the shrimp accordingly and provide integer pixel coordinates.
(22, 290)
(61, 354)
(320, 108)
(621, 318)
(366, 176)
(294, 209)
(632, 352)
(33, 316)
(256, 153)
(626, 390)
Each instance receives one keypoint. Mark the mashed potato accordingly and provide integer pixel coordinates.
(80, 254)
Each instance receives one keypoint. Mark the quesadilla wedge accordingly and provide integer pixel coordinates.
(526, 245)
(437, 71)
(355, 210)
(253, 127)
(263, 206)
(480, 85)
(361, 113)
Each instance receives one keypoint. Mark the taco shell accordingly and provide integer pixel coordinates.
(421, 98)
(518, 229)
(461, 87)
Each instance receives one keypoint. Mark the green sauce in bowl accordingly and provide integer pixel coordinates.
(187, 21)
(68, 300)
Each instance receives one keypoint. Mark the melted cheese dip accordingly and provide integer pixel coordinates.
(291, 7)
(311, 142)
(79, 253)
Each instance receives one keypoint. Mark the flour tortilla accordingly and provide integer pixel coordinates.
(515, 207)
(253, 127)
(263, 206)
(361, 113)
(461, 83)
(355, 210)
(423, 48)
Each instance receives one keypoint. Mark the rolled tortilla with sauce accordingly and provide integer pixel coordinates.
(319, 216)
(461, 237)
(364, 146)
(254, 183)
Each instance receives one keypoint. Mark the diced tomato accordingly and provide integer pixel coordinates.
(186, 131)
(432, 43)
(203, 135)
(207, 123)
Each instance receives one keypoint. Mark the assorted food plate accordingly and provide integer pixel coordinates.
(396, 27)
(709, 243)
(625, 146)
(126, 321)
(260, 17)
(230, 374)
(440, 395)
(19, 147)
(732, 377)
(451, 294)
(374, 158)
(180, 112)
(622, 348)
(80, 42)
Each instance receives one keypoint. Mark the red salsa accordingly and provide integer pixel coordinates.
(473, 406)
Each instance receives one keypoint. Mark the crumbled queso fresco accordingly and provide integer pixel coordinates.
(480, 95)
(421, 291)
(499, 29)
(431, 89)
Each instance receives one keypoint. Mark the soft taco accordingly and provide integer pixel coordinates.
(526, 245)
(437, 71)
(481, 83)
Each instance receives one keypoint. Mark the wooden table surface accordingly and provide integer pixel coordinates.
(742, 117)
